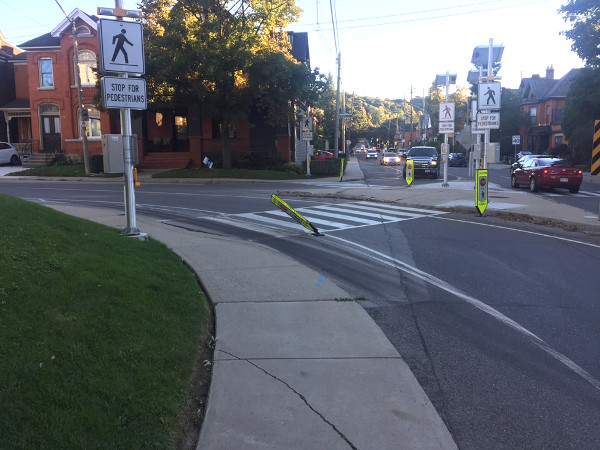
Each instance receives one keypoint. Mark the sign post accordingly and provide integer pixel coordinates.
(307, 135)
(121, 46)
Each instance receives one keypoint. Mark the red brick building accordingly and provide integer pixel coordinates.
(543, 102)
(44, 111)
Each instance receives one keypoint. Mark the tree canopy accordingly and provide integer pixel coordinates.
(225, 57)
(584, 17)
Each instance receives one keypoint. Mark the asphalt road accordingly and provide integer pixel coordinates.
(587, 199)
(498, 324)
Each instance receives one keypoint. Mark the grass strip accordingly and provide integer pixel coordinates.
(99, 334)
(229, 173)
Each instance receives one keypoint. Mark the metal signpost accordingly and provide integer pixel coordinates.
(121, 47)
(446, 119)
(307, 135)
(489, 94)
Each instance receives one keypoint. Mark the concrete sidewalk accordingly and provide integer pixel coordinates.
(297, 364)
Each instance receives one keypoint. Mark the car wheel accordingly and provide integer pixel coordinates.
(533, 187)
(574, 189)
(513, 182)
(14, 160)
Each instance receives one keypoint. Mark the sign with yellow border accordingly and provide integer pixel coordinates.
(481, 190)
(410, 171)
(293, 214)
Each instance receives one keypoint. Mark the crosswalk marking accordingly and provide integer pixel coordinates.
(336, 216)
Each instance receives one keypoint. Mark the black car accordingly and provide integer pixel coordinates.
(426, 161)
(457, 160)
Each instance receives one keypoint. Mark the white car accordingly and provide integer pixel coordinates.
(9, 154)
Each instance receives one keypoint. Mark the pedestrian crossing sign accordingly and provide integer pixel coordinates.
(121, 46)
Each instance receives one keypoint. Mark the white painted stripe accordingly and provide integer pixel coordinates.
(367, 214)
(396, 207)
(288, 224)
(311, 211)
(387, 260)
(328, 223)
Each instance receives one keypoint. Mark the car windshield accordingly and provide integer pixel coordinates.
(422, 152)
(390, 155)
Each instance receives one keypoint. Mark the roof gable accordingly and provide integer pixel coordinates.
(75, 14)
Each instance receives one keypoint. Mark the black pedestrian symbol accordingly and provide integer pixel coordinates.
(307, 124)
(447, 113)
(490, 93)
(120, 39)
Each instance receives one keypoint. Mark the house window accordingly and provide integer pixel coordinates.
(547, 114)
(91, 121)
(181, 128)
(558, 140)
(557, 116)
(533, 116)
(46, 73)
(87, 62)
(82, 31)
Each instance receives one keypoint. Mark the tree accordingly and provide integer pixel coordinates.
(229, 57)
(584, 17)
(511, 119)
(582, 108)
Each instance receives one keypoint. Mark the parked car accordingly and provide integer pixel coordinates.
(9, 154)
(457, 160)
(372, 153)
(547, 172)
(390, 159)
(521, 160)
(322, 154)
(426, 161)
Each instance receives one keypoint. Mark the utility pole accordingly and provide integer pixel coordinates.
(337, 108)
(411, 118)
(81, 124)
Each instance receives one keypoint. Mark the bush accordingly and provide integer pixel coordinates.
(325, 168)
(294, 168)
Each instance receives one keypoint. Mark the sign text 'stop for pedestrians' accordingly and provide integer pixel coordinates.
(121, 46)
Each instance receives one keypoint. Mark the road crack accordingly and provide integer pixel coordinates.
(302, 397)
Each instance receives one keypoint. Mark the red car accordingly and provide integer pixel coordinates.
(547, 172)
(322, 154)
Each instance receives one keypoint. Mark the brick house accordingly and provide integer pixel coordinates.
(13, 92)
(46, 107)
(543, 102)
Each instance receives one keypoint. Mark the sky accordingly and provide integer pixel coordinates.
(387, 47)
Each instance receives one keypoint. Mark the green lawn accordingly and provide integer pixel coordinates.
(60, 170)
(100, 334)
(229, 173)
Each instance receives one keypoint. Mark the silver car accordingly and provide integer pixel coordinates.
(9, 154)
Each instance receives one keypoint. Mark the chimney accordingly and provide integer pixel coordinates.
(550, 73)
(535, 76)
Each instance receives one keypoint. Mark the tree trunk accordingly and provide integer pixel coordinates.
(226, 145)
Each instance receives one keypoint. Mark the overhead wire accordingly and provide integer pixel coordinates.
(439, 16)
